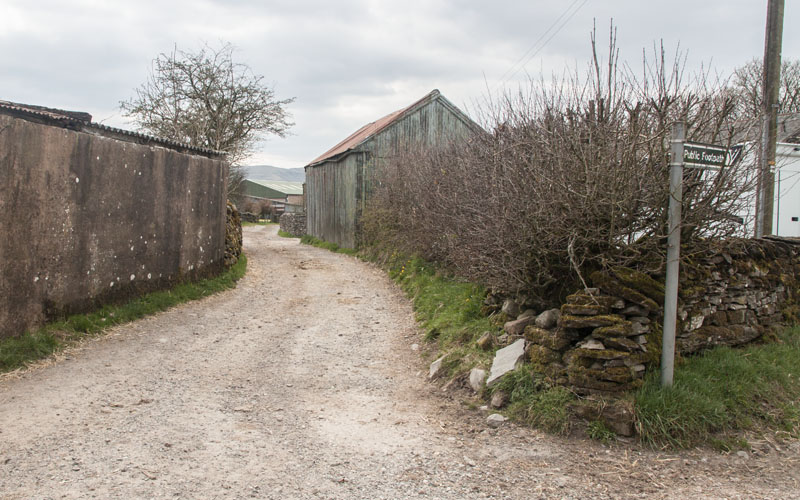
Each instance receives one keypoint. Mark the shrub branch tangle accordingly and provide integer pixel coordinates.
(572, 178)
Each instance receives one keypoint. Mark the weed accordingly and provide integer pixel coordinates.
(729, 443)
(599, 431)
(545, 410)
(30, 346)
(284, 234)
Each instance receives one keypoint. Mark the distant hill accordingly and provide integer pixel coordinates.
(270, 173)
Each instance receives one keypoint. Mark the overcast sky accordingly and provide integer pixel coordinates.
(349, 62)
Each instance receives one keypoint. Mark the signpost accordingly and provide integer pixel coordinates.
(705, 156)
(691, 155)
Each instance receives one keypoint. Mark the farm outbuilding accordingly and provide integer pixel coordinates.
(284, 196)
(338, 181)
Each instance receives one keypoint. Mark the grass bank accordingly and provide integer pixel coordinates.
(31, 346)
(720, 395)
(451, 312)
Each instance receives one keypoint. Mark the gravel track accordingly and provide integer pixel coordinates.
(301, 383)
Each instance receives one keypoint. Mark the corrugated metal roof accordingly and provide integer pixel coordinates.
(77, 120)
(370, 129)
(284, 187)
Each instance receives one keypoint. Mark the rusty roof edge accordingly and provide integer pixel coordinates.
(80, 121)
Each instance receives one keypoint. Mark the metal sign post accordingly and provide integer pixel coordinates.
(673, 252)
(691, 155)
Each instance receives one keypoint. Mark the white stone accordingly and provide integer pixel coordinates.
(477, 377)
(592, 344)
(435, 367)
(495, 420)
(505, 360)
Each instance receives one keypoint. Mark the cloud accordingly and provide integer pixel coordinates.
(350, 62)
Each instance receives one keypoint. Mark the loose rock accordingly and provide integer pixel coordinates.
(477, 378)
(505, 360)
(435, 368)
(495, 420)
(548, 319)
(499, 399)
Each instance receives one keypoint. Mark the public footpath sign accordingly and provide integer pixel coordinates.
(690, 155)
(707, 156)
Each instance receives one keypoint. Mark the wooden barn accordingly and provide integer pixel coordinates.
(338, 181)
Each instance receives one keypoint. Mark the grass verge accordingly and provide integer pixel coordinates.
(327, 245)
(31, 346)
(718, 395)
(448, 309)
(259, 223)
(284, 234)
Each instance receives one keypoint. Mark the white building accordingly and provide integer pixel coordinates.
(786, 209)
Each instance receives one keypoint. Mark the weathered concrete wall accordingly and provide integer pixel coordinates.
(88, 219)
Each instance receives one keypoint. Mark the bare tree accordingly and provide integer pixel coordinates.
(747, 85)
(205, 99)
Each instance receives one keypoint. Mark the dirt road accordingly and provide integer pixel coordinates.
(301, 383)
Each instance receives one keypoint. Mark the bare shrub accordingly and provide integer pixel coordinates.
(572, 178)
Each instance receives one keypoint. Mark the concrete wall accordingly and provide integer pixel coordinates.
(88, 219)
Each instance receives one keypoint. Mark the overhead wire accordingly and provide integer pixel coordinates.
(527, 56)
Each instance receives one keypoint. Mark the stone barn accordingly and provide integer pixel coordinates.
(338, 181)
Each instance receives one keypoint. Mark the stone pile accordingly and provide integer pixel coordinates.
(599, 343)
(233, 235)
(293, 223)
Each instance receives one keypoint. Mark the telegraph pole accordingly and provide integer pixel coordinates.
(771, 82)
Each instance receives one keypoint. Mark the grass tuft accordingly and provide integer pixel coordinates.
(16, 352)
(327, 245)
(721, 391)
(534, 402)
(284, 234)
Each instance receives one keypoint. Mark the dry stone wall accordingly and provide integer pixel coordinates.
(604, 338)
(293, 223)
(233, 235)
